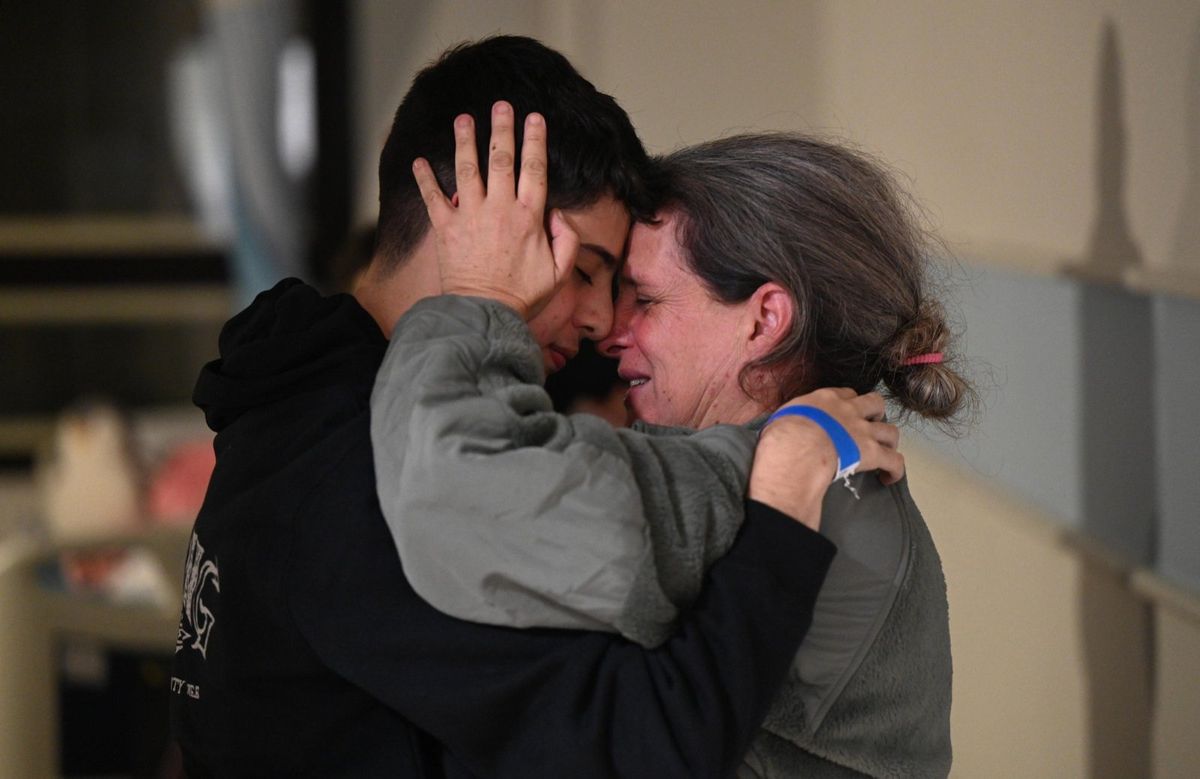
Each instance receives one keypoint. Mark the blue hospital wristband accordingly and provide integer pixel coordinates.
(847, 451)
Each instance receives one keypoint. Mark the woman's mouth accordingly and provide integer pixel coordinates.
(632, 379)
(632, 392)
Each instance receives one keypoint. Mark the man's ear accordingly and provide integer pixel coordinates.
(771, 309)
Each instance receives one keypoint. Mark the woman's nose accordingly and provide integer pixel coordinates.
(618, 337)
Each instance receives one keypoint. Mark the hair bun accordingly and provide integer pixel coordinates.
(920, 374)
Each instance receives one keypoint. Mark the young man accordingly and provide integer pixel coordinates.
(302, 648)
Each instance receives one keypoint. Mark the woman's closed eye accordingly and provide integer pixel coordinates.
(584, 276)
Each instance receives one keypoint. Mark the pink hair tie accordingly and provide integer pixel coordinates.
(923, 359)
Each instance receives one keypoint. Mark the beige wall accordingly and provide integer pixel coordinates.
(1177, 687)
(991, 111)
(992, 108)
(1063, 666)
(989, 107)
(1019, 687)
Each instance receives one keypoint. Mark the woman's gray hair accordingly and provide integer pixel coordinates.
(831, 227)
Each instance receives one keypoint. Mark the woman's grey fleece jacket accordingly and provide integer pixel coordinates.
(506, 513)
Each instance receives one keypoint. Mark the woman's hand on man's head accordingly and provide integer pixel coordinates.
(491, 238)
(796, 459)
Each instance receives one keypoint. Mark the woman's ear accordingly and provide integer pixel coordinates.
(772, 309)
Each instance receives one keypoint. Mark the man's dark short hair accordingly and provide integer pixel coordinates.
(593, 149)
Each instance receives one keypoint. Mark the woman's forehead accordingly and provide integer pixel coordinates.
(654, 252)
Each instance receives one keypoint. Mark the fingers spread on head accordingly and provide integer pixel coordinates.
(466, 162)
(436, 204)
(531, 186)
(501, 177)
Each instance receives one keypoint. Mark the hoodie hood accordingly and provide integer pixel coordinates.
(288, 341)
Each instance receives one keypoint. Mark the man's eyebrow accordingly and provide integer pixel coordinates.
(608, 258)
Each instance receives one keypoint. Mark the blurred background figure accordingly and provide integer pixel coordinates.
(243, 119)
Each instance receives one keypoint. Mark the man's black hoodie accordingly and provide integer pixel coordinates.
(302, 649)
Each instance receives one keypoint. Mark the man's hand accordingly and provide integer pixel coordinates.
(491, 240)
(795, 461)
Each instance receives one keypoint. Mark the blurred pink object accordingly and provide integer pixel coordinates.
(178, 486)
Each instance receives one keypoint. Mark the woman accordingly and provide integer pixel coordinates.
(778, 265)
